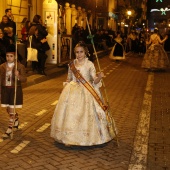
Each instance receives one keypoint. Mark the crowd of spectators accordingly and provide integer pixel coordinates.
(7, 34)
(136, 41)
(36, 29)
(103, 39)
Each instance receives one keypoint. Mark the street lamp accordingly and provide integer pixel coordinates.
(129, 13)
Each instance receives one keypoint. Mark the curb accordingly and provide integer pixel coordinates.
(37, 78)
(54, 70)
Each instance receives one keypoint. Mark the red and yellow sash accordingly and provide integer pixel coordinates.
(87, 85)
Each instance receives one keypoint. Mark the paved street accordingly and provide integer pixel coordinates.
(139, 103)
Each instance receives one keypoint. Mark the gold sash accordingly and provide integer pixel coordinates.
(87, 85)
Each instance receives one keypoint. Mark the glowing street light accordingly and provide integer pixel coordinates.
(129, 13)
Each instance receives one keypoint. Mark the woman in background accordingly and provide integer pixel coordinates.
(37, 44)
(155, 57)
(4, 43)
(25, 30)
(118, 52)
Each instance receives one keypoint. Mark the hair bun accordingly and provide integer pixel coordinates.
(82, 44)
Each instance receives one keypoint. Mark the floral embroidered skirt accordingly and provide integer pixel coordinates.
(78, 119)
(155, 58)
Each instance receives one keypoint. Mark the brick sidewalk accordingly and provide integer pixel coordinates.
(125, 82)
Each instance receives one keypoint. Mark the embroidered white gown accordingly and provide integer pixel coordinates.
(78, 119)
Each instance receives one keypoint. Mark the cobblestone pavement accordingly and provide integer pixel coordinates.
(159, 138)
(128, 91)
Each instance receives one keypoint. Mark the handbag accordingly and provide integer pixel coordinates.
(31, 52)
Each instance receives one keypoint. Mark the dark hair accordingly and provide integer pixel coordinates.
(118, 32)
(24, 20)
(83, 45)
(5, 16)
(8, 9)
(36, 18)
(155, 30)
(32, 30)
(27, 26)
(11, 48)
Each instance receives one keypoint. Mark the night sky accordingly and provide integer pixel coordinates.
(157, 16)
(153, 4)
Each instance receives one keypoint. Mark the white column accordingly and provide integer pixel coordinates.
(68, 18)
(84, 15)
(50, 14)
(79, 16)
(61, 19)
(73, 15)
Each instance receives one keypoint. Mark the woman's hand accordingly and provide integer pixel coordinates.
(43, 40)
(100, 75)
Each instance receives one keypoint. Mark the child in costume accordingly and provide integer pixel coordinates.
(8, 72)
(79, 117)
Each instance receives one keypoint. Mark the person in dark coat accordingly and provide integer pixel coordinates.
(9, 34)
(8, 13)
(38, 44)
(167, 43)
(141, 46)
(4, 43)
(42, 31)
(4, 23)
(118, 52)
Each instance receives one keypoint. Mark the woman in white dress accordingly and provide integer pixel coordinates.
(78, 118)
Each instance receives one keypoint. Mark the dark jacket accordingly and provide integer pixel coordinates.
(42, 33)
(12, 24)
(4, 25)
(4, 43)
